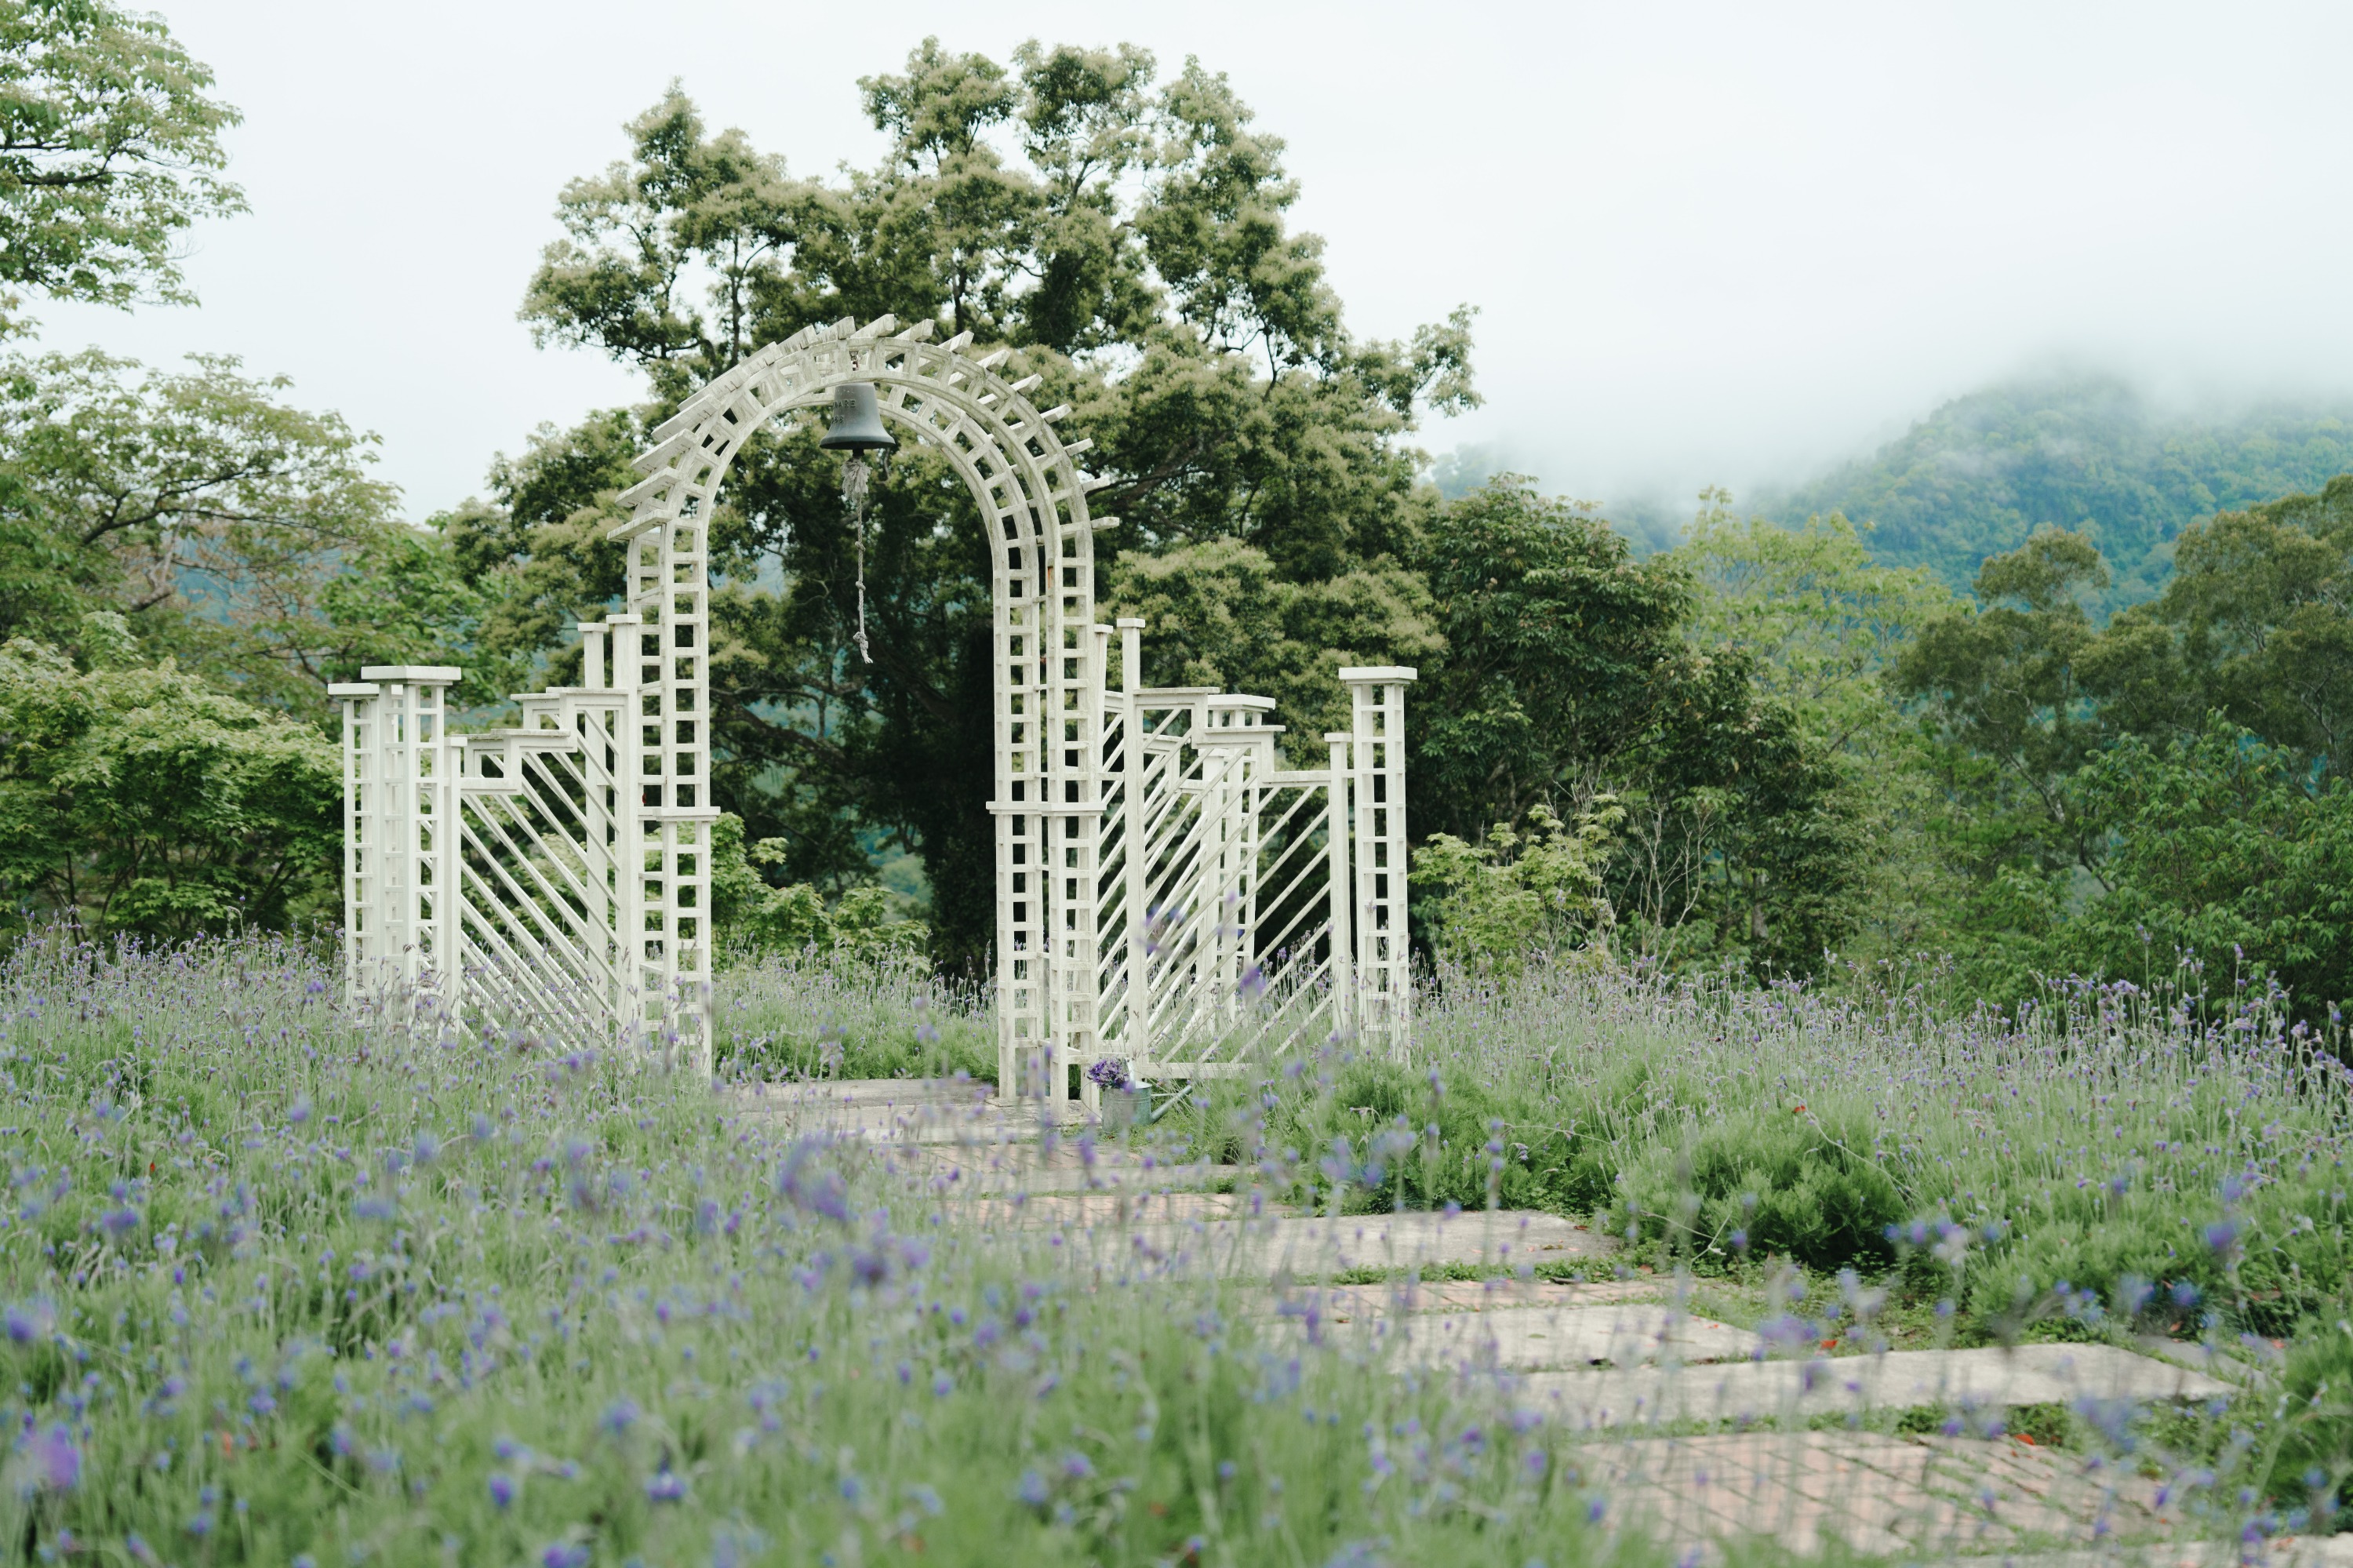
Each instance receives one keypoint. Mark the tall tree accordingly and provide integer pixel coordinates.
(109, 151)
(2256, 624)
(2169, 787)
(2226, 858)
(1569, 673)
(677, 259)
(1130, 240)
(1563, 653)
(195, 503)
(2004, 701)
(1822, 624)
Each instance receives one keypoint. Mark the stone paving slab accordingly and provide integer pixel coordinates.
(1321, 1246)
(2028, 1374)
(1546, 1339)
(1108, 1210)
(904, 1110)
(1961, 1501)
(1065, 1165)
(842, 1092)
(1955, 1497)
(2280, 1552)
(1526, 1339)
(1342, 1303)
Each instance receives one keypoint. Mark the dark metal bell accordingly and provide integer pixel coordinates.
(856, 425)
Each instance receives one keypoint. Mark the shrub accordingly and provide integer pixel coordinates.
(816, 1015)
(755, 919)
(2312, 1467)
(137, 800)
(1490, 903)
(1766, 1180)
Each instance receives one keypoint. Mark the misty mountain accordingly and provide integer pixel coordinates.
(2086, 453)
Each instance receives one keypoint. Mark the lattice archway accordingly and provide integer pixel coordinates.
(1166, 890)
(1046, 794)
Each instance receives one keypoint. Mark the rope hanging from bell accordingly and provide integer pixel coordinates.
(856, 427)
(854, 476)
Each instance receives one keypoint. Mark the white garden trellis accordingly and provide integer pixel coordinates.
(1168, 893)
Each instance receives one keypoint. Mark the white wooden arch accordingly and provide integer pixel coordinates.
(1168, 895)
(1046, 787)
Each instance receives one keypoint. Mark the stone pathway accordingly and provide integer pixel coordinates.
(1118, 1209)
(1933, 1496)
(1278, 1248)
(1989, 1379)
(1607, 1358)
(1340, 1303)
(1546, 1339)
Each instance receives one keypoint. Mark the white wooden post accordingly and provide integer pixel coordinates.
(637, 969)
(1022, 1007)
(363, 924)
(1135, 1027)
(1376, 744)
(401, 894)
(1339, 892)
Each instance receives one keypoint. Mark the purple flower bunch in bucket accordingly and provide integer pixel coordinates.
(1126, 1102)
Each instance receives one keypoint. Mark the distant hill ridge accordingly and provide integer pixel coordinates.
(1982, 472)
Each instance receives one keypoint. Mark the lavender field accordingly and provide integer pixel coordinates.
(281, 1289)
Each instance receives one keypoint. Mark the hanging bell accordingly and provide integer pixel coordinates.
(856, 425)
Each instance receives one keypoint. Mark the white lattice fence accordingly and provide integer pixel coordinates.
(1225, 910)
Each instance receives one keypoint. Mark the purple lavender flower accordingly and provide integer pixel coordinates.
(31, 1321)
(503, 1489)
(821, 1193)
(1032, 1490)
(56, 1461)
(665, 1486)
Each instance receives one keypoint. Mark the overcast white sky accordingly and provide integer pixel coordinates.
(1711, 242)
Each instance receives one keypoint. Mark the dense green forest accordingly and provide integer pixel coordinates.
(2085, 452)
(1786, 746)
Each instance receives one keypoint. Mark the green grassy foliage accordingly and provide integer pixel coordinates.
(2110, 1161)
(274, 1288)
(2313, 1462)
(823, 1013)
(277, 1291)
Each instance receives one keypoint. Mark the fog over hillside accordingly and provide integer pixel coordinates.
(2127, 464)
